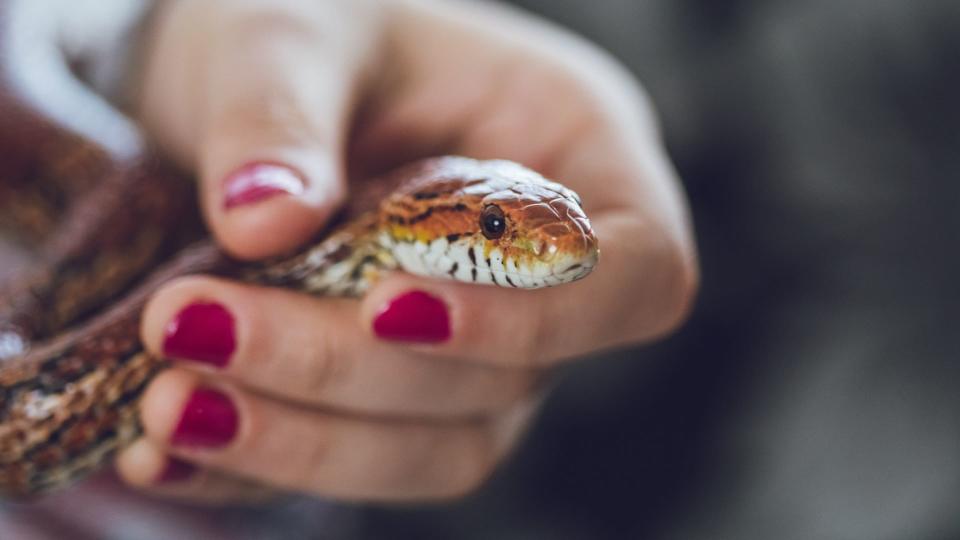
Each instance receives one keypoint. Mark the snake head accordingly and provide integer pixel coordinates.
(492, 222)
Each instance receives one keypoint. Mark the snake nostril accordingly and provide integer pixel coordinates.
(539, 246)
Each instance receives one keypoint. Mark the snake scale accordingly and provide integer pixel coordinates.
(108, 222)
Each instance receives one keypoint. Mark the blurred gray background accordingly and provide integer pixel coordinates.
(814, 393)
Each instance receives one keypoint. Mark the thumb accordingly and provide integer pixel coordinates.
(277, 89)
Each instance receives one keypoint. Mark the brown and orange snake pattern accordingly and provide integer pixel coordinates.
(113, 223)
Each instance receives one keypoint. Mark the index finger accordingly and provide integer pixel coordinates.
(263, 113)
(640, 290)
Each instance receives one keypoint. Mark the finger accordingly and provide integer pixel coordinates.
(622, 301)
(315, 351)
(277, 86)
(147, 466)
(307, 450)
(605, 146)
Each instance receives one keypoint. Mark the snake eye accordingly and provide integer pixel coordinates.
(492, 222)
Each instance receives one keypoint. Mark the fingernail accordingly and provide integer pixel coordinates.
(255, 182)
(201, 332)
(414, 317)
(209, 420)
(176, 470)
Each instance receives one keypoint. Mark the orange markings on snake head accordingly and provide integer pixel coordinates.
(536, 227)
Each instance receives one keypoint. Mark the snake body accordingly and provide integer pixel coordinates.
(105, 213)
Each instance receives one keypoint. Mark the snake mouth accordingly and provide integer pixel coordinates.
(470, 262)
(575, 272)
(533, 274)
(579, 268)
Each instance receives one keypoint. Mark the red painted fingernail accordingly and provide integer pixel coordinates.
(414, 316)
(255, 182)
(201, 332)
(176, 470)
(209, 420)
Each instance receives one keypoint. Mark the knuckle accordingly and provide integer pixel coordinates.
(264, 18)
(604, 87)
(271, 112)
(418, 468)
(529, 352)
(525, 353)
(334, 27)
(650, 309)
(446, 469)
(528, 383)
(684, 286)
(325, 368)
(313, 472)
(474, 466)
(678, 292)
(521, 386)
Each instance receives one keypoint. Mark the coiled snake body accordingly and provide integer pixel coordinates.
(77, 180)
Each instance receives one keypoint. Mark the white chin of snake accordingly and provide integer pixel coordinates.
(462, 262)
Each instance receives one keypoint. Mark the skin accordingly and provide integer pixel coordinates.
(341, 89)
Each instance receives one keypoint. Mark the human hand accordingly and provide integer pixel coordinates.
(278, 106)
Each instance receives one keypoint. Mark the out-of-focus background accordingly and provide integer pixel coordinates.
(815, 394)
